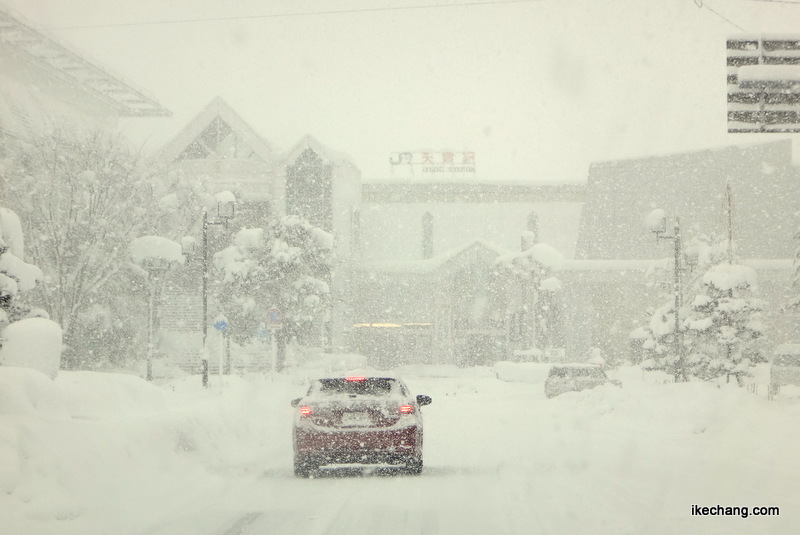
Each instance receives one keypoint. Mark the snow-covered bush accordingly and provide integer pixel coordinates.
(21, 342)
(32, 343)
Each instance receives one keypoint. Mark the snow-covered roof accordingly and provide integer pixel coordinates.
(757, 73)
(310, 142)
(66, 63)
(217, 108)
(432, 264)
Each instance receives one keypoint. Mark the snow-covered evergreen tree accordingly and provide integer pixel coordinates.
(285, 266)
(724, 323)
(720, 320)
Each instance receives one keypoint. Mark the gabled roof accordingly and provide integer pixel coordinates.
(217, 113)
(310, 142)
(33, 44)
(446, 262)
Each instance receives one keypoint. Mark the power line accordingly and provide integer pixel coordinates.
(778, 1)
(295, 14)
(720, 15)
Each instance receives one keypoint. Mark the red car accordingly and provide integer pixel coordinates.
(358, 421)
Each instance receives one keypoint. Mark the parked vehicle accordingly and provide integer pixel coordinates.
(785, 368)
(358, 421)
(573, 377)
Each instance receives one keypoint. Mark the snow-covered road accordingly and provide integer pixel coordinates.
(499, 458)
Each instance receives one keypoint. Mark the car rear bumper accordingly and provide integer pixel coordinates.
(393, 446)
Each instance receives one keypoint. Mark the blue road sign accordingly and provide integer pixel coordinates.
(274, 318)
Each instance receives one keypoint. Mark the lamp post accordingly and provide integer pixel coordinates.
(658, 224)
(154, 255)
(226, 209)
(155, 267)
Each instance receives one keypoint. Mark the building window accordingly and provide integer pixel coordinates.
(217, 142)
(427, 235)
(533, 224)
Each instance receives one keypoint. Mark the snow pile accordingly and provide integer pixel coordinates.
(656, 220)
(155, 248)
(32, 343)
(524, 372)
(90, 452)
(11, 232)
(108, 453)
(726, 277)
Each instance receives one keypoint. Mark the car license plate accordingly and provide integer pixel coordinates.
(356, 419)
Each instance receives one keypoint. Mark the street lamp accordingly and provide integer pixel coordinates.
(155, 255)
(156, 267)
(226, 209)
(657, 221)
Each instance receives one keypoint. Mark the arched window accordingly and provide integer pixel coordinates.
(533, 224)
(355, 230)
(427, 235)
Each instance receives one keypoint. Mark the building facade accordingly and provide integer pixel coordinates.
(310, 180)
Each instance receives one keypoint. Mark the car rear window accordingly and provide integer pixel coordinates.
(370, 386)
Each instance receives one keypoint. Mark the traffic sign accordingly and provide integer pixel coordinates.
(274, 318)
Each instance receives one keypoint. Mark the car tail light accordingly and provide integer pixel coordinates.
(406, 409)
(356, 378)
(305, 411)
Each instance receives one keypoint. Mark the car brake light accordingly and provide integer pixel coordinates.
(305, 410)
(356, 378)
(406, 409)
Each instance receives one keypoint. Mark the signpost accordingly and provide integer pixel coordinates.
(274, 321)
(221, 325)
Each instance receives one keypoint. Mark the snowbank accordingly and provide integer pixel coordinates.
(107, 453)
(525, 372)
(726, 277)
(32, 343)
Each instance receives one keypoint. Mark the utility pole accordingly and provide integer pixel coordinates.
(659, 228)
(205, 298)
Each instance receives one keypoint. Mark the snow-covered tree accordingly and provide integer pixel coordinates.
(285, 266)
(724, 323)
(534, 269)
(16, 276)
(720, 320)
(83, 198)
(28, 338)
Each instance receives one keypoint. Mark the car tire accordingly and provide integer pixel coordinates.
(413, 467)
(304, 468)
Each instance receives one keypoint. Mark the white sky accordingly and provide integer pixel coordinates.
(537, 89)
